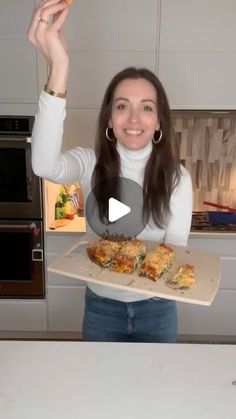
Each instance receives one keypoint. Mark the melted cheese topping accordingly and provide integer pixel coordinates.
(103, 251)
(132, 248)
(129, 255)
(183, 278)
(157, 262)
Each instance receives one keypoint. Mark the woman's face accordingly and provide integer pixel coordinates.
(134, 113)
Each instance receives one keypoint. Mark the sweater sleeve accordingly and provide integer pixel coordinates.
(47, 159)
(177, 231)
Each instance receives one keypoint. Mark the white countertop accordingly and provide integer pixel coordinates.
(213, 234)
(78, 380)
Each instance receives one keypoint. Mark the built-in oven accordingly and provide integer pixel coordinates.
(20, 188)
(22, 259)
(21, 213)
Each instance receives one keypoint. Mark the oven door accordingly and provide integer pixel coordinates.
(20, 189)
(22, 259)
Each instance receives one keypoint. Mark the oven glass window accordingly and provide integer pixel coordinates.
(16, 256)
(13, 175)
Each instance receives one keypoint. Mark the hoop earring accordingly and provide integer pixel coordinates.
(107, 135)
(159, 138)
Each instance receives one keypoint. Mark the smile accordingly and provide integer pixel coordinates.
(133, 131)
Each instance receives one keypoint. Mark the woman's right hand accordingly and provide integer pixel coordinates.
(45, 33)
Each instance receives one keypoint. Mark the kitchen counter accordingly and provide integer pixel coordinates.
(77, 225)
(79, 380)
(213, 234)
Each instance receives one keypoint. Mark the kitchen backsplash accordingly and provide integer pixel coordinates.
(206, 142)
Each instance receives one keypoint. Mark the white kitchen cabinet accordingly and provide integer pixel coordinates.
(188, 25)
(208, 322)
(65, 307)
(219, 318)
(197, 53)
(65, 295)
(199, 80)
(18, 75)
(15, 18)
(112, 25)
(23, 315)
(18, 70)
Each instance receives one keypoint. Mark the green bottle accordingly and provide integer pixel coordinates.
(60, 204)
(59, 209)
(63, 194)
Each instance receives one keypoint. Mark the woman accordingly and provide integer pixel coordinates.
(133, 141)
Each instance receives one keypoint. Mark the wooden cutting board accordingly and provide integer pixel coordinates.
(74, 262)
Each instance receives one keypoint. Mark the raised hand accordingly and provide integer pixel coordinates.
(45, 33)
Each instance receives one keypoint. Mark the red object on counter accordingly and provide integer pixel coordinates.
(226, 207)
(69, 216)
(69, 209)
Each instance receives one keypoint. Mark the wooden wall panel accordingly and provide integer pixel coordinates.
(206, 142)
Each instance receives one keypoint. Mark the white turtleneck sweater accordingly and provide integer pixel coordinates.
(77, 165)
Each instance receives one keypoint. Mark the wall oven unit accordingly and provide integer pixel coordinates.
(21, 213)
(22, 267)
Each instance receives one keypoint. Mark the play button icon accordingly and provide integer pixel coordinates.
(120, 208)
(116, 209)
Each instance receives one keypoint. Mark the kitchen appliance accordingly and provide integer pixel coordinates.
(226, 217)
(21, 213)
(213, 221)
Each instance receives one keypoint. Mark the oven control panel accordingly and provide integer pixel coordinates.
(16, 125)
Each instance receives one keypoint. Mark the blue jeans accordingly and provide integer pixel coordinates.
(106, 320)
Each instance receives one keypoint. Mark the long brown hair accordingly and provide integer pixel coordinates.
(162, 172)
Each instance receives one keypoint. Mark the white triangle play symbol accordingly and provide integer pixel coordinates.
(116, 209)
